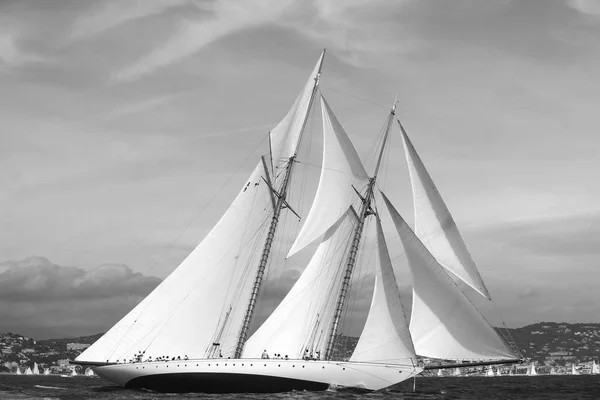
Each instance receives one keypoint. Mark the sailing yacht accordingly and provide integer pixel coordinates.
(35, 370)
(531, 370)
(18, 371)
(28, 371)
(594, 370)
(191, 334)
(574, 370)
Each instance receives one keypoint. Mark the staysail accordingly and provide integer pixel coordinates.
(385, 337)
(435, 226)
(174, 320)
(444, 323)
(302, 320)
(341, 170)
(285, 136)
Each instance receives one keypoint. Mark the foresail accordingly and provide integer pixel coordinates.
(204, 295)
(435, 226)
(285, 136)
(444, 323)
(385, 337)
(341, 170)
(302, 320)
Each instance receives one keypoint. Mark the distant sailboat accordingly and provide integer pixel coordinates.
(439, 373)
(18, 372)
(552, 371)
(28, 371)
(35, 369)
(73, 372)
(89, 372)
(205, 307)
(531, 370)
(47, 371)
(456, 372)
(574, 370)
(595, 369)
(489, 372)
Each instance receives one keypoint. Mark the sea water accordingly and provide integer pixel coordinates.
(560, 387)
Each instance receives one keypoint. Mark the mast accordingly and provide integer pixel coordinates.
(280, 204)
(365, 211)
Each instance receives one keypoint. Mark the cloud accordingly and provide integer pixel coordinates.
(109, 14)
(570, 235)
(588, 7)
(142, 106)
(13, 55)
(39, 296)
(225, 17)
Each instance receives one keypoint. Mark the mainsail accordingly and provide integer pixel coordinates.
(385, 337)
(170, 321)
(302, 319)
(444, 323)
(435, 226)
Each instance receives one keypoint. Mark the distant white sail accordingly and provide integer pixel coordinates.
(172, 320)
(47, 371)
(456, 372)
(302, 320)
(490, 371)
(73, 372)
(28, 371)
(341, 170)
(35, 369)
(435, 226)
(439, 373)
(595, 370)
(444, 323)
(285, 136)
(385, 337)
(18, 372)
(89, 372)
(531, 370)
(574, 370)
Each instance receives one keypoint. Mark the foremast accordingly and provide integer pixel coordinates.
(279, 205)
(365, 211)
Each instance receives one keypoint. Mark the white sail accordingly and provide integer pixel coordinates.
(285, 136)
(595, 370)
(456, 372)
(73, 372)
(574, 370)
(439, 373)
(435, 226)
(185, 312)
(444, 323)
(35, 369)
(28, 371)
(531, 370)
(89, 372)
(341, 170)
(490, 371)
(385, 337)
(47, 371)
(303, 318)
(18, 372)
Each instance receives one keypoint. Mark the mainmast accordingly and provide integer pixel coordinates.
(280, 204)
(365, 211)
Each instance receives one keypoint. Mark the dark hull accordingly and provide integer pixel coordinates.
(197, 382)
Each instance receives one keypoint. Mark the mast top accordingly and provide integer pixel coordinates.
(393, 111)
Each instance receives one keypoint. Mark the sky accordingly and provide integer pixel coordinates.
(120, 120)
